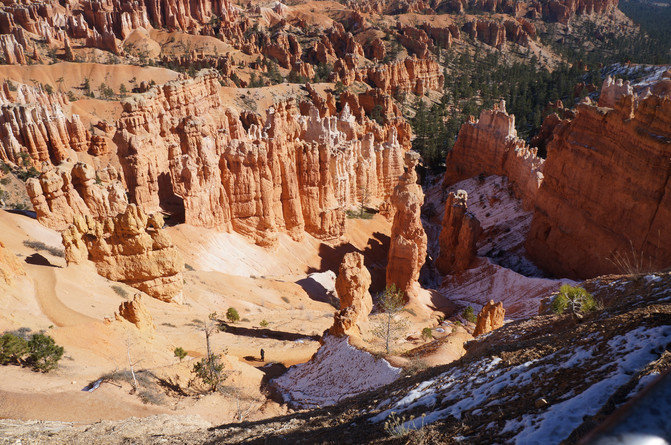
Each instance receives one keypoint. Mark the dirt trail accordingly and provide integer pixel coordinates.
(45, 291)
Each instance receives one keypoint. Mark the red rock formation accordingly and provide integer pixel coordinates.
(33, 122)
(62, 193)
(411, 76)
(458, 236)
(407, 248)
(11, 267)
(490, 146)
(490, 317)
(136, 312)
(607, 189)
(356, 303)
(12, 52)
(131, 248)
(183, 152)
(416, 41)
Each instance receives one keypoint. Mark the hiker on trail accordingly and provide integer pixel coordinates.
(263, 355)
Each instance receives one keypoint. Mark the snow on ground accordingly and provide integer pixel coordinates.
(640, 76)
(504, 222)
(336, 372)
(521, 295)
(488, 384)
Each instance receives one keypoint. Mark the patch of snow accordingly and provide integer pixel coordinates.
(520, 295)
(480, 385)
(653, 278)
(336, 372)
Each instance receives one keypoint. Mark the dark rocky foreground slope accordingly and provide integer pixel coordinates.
(545, 377)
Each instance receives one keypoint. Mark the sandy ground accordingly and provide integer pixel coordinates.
(280, 312)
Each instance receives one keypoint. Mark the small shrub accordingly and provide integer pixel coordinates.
(189, 267)
(232, 315)
(43, 353)
(469, 314)
(180, 353)
(263, 323)
(40, 246)
(285, 299)
(12, 349)
(576, 299)
(151, 397)
(427, 333)
(120, 291)
(353, 214)
(210, 371)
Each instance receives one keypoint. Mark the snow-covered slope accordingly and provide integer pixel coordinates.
(337, 371)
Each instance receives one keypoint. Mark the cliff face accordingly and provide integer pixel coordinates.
(183, 152)
(62, 193)
(407, 248)
(33, 123)
(130, 247)
(490, 146)
(606, 195)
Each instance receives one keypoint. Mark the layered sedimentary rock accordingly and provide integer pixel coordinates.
(352, 286)
(490, 146)
(490, 317)
(458, 236)
(497, 34)
(132, 248)
(605, 203)
(33, 123)
(10, 266)
(407, 248)
(181, 151)
(553, 10)
(61, 194)
(136, 312)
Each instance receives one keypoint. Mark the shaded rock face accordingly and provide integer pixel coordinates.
(490, 146)
(458, 236)
(10, 266)
(606, 196)
(352, 286)
(407, 249)
(183, 152)
(62, 194)
(131, 248)
(135, 312)
(490, 317)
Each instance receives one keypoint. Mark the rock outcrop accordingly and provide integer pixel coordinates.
(61, 194)
(407, 248)
(33, 124)
(605, 203)
(10, 266)
(136, 312)
(184, 153)
(490, 146)
(352, 286)
(458, 236)
(490, 317)
(132, 248)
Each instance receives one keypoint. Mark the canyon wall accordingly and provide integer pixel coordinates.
(490, 146)
(34, 128)
(184, 153)
(605, 203)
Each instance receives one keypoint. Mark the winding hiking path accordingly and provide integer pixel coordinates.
(44, 279)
